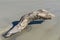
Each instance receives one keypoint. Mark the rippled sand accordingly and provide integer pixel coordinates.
(12, 11)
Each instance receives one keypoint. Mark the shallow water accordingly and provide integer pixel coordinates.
(12, 10)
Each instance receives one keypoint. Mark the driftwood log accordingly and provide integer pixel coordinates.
(27, 18)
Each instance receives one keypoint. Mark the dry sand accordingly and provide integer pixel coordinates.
(12, 10)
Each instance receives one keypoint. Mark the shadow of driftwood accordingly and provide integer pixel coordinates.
(33, 22)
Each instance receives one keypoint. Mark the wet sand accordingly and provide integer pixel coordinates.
(12, 11)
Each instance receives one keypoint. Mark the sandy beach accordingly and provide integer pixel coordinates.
(12, 10)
